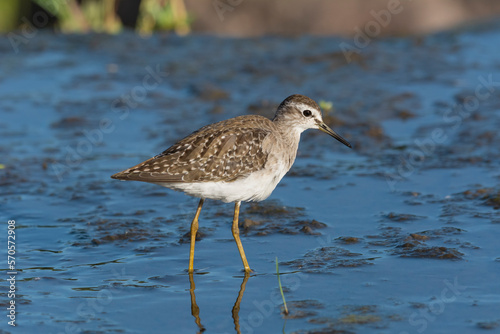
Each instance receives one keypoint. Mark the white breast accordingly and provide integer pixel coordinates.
(255, 187)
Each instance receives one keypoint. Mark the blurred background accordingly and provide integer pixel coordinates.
(397, 235)
(239, 17)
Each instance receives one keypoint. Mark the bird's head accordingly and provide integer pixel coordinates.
(302, 113)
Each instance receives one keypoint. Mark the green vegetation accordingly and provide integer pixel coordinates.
(163, 15)
(281, 288)
(99, 16)
(11, 12)
(327, 106)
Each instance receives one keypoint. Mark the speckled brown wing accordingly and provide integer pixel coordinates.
(227, 150)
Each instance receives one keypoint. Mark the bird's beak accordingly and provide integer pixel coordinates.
(326, 129)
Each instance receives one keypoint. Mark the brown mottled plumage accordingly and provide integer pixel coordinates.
(224, 151)
(240, 159)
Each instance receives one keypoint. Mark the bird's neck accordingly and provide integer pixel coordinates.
(290, 137)
(289, 131)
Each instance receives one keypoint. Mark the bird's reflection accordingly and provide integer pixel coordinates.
(195, 310)
(236, 307)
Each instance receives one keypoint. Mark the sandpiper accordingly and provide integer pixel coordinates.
(239, 159)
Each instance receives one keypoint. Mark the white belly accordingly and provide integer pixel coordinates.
(256, 187)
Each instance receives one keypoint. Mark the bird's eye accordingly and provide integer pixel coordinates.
(307, 113)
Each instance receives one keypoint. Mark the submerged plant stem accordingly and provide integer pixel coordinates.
(281, 288)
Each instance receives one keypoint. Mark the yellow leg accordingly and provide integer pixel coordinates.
(236, 236)
(194, 229)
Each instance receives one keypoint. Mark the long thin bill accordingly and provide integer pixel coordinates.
(326, 129)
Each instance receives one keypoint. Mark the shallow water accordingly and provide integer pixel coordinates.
(396, 235)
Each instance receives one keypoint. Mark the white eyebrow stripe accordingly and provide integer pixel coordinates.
(303, 106)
